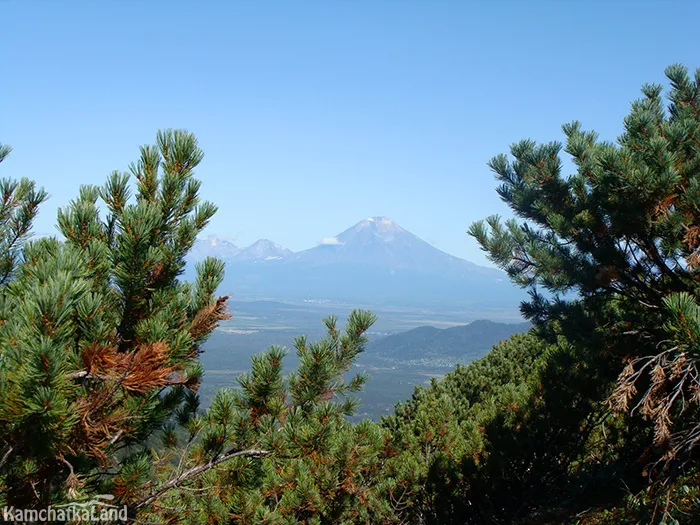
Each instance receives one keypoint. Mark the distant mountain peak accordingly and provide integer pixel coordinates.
(263, 249)
(373, 261)
(380, 242)
(379, 224)
(373, 229)
(213, 246)
(265, 243)
(213, 240)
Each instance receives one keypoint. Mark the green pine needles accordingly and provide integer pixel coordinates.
(99, 340)
(622, 233)
(311, 465)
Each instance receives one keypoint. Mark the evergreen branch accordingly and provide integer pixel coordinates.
(191, 489)
(21, 231)
(194, 472)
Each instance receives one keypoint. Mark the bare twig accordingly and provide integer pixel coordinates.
(193, 472)
(5, 456)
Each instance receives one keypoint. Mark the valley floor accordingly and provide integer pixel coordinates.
(256, 325)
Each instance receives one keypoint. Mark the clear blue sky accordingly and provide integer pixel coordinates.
(314, 115)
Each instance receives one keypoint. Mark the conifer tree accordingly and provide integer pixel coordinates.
(99, 345)
(621, 234)
(98, 337)
(314, 465)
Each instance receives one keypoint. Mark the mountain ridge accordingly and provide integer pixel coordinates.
(373, 236)
(375, 261)
(468, 341)
(262, 249)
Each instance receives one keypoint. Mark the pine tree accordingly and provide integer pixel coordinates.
(99, 346)
(98, 337)
(621, 236)
(314, 466)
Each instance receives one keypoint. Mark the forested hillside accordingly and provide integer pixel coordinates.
(591, 417)
(465, 342)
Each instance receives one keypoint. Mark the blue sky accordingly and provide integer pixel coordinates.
(316, 114)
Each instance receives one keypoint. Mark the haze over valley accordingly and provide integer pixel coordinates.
(434, 310)
(407, 347)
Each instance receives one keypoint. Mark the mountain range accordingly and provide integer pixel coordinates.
(374, 261)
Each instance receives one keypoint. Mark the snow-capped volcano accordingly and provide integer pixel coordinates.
(379, 241)
(374, 261)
